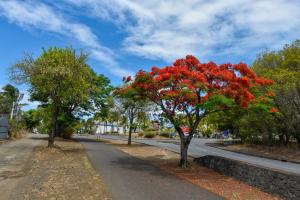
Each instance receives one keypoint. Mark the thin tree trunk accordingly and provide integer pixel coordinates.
(298, 141)
(129, 135)
(281, 140)
(130, 129)
(184, 145)
(53, 127)
(287, 140)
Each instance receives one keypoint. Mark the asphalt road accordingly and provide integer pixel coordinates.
(129, 178)
(198, 148)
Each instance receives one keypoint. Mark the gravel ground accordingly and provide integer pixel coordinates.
(60, 173)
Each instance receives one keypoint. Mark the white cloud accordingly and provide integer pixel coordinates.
(41, 16)
(173, 28)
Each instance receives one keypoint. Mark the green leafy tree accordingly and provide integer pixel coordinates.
(61, 79)
(8, 95)
(131, 106)
(283, 67)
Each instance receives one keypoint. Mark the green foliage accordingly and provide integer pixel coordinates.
(283, 66)
(164, 134)
(31, 119)
(17, 129)
(8, 95)
(217, 100)
(149, 134)
(257, 124)
(64, 83)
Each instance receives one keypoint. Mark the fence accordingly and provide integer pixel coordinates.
(3, 126)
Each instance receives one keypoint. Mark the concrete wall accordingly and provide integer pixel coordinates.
(286, 185)
(3, 126)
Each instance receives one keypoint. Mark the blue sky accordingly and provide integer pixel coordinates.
(123, 36)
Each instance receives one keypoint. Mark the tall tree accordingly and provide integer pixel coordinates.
(283, 67)
(196, 90)
(8, 95)
(61, 79)
(131, 105)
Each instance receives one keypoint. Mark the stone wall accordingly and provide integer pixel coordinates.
(286, 185)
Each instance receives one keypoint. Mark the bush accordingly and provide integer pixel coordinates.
(140, 134)
(165, 134)
(16, 129)
(149, 135)
(150, 130)
(68, 132)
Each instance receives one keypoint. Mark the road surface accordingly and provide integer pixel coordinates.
(133, 179)
(198, 148)
(13, 163)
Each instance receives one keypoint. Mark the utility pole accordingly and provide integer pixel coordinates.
(16, 107)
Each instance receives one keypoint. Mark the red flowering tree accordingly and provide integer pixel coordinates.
(196, 90)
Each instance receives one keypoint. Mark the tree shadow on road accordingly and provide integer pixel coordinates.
(137, 165)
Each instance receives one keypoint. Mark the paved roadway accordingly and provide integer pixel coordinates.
(198, 148)
(133, 179)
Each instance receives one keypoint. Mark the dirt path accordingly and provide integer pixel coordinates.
(58, 173)
(14, 162)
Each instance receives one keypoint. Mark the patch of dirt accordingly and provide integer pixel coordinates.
(63, 172)
(208, 179)
(274, 152)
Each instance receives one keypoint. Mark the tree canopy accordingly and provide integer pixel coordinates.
(196, 90)
(61, 79)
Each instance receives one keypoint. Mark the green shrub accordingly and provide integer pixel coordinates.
(149, 135)
(16, 129)
(165, 134)
(140, 134)
(68, 132)
(150, 129)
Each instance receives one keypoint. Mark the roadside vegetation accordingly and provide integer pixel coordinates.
(258, 104)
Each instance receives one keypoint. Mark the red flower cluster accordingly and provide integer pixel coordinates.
(189, 83)
(273, 110)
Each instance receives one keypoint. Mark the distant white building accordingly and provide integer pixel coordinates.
(105, 127)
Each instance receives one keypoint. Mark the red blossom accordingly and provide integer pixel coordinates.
(185, 81)
(128, 79)
(273, 110)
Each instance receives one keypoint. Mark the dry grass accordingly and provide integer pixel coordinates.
(63, 172)
(203, 177)
(274, 152)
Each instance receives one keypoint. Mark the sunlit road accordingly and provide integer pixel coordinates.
(198, 148)
(130, 178)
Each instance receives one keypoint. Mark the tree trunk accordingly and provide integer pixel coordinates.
(129, 135)
(281, 140)
(298, 141)
(287, 140)
(184, 145)
(53, 127)
(130, 129)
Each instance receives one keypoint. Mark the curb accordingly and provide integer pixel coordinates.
(252, 154)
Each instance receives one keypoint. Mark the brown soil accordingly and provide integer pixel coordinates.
(274, 152)
(224, 186)
(62, 172)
